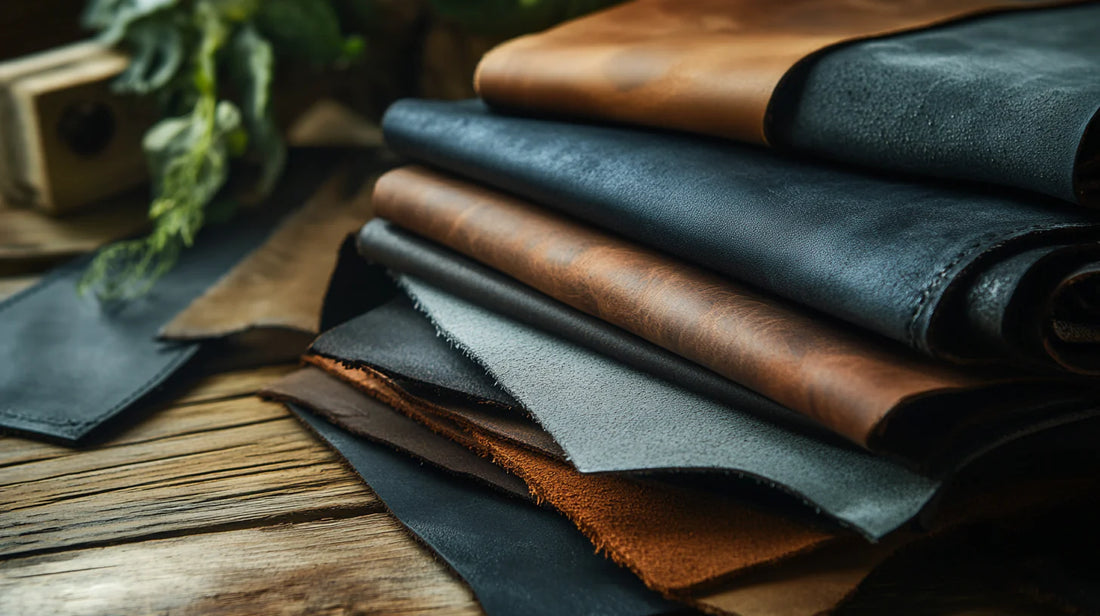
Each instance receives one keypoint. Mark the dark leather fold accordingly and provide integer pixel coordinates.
(966, 90)
(516, 557)
(890, 255)
(71, 364)
(877, 394)
(608, 417)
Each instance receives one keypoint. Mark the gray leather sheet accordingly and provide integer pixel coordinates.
(610, 417)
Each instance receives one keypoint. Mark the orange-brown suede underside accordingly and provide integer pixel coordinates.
(675, 538)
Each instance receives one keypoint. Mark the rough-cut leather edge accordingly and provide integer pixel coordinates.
(451, 531)
(761, 48)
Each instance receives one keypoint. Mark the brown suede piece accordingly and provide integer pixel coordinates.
(365, 416)
(705, 66)
(673, 537)
(282, 284)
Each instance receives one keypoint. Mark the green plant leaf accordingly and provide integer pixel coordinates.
(251, 64)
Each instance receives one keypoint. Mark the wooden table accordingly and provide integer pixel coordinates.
(211, 501)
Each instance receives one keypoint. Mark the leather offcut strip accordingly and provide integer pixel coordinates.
(895, 256)
(707, 66)
(364, 416)
(609, 418)
(73, 364)
(281, 285)
(515, 556)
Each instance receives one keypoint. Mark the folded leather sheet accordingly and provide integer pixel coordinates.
(879, 395)
(608, 417)
(516, 557)
(72, 364)
(953, 272)
(1004, 97)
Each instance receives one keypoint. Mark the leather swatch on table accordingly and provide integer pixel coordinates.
(894, 256)
(72, 364)
(364, 416)
(858, 385)
(516, 557)
(281, 284)
(706, 66)
(608, 417)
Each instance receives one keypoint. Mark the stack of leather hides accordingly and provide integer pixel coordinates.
(754, 298)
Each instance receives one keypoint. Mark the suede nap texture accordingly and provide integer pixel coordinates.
(608, 417)
(71, 363)
(516, 557)
(1006, 99)
(891, 255)
(674, 537)
(364, 416)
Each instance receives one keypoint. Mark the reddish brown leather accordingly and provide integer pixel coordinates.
(838, 376)
(705, 66)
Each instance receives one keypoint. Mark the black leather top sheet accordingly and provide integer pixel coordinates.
(516, 557)
(891, 255)
(70, 364)
(1004, 98)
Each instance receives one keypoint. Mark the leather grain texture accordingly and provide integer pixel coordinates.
(516, 557)
(852, 383)
(890, 255)
(1005, 99)
(708, 66)
(384, 243)
(362, 415)
(71, 364)
(608, 417)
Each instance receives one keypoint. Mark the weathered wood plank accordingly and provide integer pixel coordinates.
(11, 286)
(232, 384)
(362, 565)
(233, 462)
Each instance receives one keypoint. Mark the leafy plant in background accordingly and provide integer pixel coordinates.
(181, 51)
(210, 64)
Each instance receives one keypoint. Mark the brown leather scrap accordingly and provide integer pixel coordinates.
(847, 380)
(282, 284)
(673, 537)
(705, 66)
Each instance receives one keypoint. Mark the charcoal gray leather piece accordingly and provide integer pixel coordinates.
(609, 417)
(887, 254)
(396, 337)
(382, 242)
(1004, 98)
(516, 557)
(71, 364)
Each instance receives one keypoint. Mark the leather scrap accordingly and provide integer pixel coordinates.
(516, 557)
